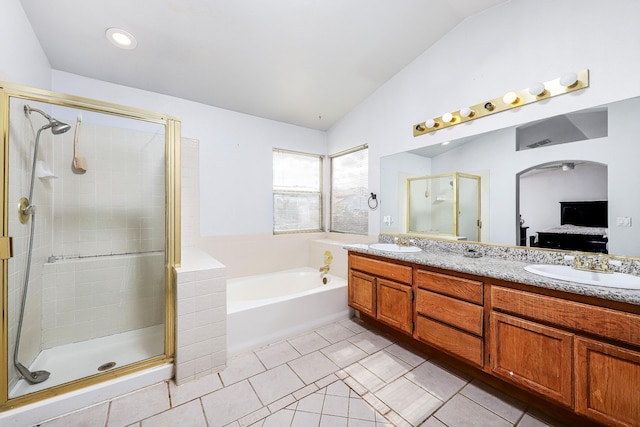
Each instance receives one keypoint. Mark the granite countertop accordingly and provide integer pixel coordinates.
(501, 267)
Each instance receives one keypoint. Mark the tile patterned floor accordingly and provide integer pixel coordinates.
(342, 374)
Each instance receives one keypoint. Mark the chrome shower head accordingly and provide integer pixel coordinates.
(56, 126)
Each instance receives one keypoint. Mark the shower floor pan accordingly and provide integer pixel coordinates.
(79, 360)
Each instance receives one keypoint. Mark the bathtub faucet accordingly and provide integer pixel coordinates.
(323, 273)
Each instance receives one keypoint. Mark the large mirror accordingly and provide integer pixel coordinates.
(586, 156)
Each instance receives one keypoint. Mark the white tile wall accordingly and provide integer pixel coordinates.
(190, 189)
(95, 297)
(201, 317)
(117, 206)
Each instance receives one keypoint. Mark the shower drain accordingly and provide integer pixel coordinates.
(106, 366)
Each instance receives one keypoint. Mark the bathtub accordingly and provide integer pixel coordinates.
(270, 307)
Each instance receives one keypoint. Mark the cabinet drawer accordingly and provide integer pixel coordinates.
(612, 324)
(454, 341)
(457, 287)
(460, 314)
(399, 273)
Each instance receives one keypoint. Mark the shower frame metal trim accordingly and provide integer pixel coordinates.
(172, 231)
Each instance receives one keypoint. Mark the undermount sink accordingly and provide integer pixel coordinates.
(393, 247)
(564, 272)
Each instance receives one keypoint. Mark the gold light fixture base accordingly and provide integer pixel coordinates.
(23, 204)
(523, 97)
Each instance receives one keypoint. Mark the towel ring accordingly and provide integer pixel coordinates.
(373, 202)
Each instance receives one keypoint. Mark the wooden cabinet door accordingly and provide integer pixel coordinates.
(395, 307)
(534, 356)
(362, 292)
(607, 383)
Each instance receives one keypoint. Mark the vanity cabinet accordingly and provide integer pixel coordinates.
(449, 314)
(382, 290)
(581, 353)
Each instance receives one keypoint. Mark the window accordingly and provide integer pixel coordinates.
(349, 191)
(297, 192)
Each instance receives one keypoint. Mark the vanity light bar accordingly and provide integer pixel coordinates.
(569, 82)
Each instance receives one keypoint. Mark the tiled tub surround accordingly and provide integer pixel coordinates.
(504, 263)
(341, 374)
(201, 316)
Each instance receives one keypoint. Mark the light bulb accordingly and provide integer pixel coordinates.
(537, 89)
(430, 123)
(447, 117)
(467, 112)
(569, 79)
(510, 98)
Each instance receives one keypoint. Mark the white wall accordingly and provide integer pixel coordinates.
(505, 48)
(22, 59)
(235, 152)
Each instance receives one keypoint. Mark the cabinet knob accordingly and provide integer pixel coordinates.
(511, 373)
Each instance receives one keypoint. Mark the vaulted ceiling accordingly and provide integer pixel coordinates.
(304, 62)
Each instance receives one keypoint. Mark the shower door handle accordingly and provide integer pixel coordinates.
(6, 247)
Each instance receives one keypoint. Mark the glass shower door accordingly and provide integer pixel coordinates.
(87, 282)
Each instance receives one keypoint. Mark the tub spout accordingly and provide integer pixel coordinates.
(324, 269)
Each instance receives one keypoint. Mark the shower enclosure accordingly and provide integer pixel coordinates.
(90, 239)
(446, 205)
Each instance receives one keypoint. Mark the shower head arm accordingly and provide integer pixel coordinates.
(28, 110)
(57, 127)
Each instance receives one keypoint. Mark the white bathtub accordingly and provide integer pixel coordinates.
(269, 307)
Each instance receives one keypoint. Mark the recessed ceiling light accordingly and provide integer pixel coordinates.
(121, 38)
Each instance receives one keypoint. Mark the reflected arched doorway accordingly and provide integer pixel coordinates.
(565, 203)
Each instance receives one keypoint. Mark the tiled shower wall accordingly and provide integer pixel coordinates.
(117, 206)
(102, 219)
(94, 297)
